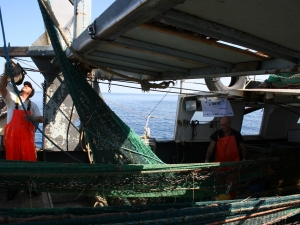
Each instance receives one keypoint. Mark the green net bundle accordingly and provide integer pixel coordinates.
(186, 181)
(270, 210)
(110, 139)
(282, 79)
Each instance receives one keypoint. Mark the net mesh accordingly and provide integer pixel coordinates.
(186, 181)
(109, 138)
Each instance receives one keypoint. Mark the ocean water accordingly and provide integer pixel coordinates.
(134, 109)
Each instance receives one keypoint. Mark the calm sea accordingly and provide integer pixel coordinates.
(133, 109)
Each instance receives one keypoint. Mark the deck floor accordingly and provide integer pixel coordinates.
(22, 200)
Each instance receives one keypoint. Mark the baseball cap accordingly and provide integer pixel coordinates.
(29, 85)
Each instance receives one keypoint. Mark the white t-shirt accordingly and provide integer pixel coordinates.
(10, 100)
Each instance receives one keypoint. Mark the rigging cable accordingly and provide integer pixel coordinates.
(69, 127)
(159, 102)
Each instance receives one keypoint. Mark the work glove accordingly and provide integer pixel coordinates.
(16, 70)
(31, 118)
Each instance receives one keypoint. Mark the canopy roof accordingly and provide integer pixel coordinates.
(183, 39)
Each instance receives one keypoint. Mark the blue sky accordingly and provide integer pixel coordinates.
(23, 24)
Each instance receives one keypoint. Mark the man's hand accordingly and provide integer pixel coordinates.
(31, 118)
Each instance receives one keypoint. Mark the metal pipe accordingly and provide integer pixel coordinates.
(82, 16)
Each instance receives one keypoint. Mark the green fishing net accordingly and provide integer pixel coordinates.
(282, 79)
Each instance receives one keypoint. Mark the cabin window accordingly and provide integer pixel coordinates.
(252, 123)
(298, 121)
(198, 115)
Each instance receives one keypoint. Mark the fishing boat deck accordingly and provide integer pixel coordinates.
(22, 200)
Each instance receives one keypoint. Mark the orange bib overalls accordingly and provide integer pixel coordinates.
(19, 137)
(227, 151)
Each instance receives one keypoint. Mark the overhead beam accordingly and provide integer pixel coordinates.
(267, 67)
(150, 75)
(227, 34)
(157, 50)
(135, 61)
(29, 51)
(100, 74)
(120, 17)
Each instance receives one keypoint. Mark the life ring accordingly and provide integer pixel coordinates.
(215, 84)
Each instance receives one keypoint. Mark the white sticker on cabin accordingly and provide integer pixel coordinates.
(217, 107)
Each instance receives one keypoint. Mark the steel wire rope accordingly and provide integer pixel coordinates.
(159, 101)
(194, 82)
(187, 89)
(158, 90)
(152, 89)
(123, 107)
(130, 109)
(67, 135)
(9, 67)
(33, 69)
(134, 112)
(131, 82)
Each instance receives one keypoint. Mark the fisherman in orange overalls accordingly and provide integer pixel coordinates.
(19, 131)
(226, 142)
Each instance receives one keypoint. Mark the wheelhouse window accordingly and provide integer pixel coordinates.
(198, 115)
(252, 122)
